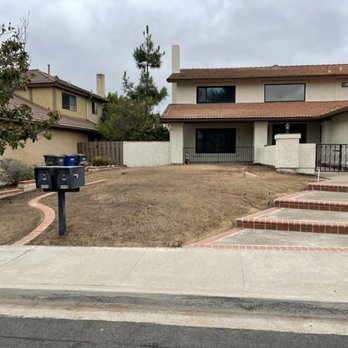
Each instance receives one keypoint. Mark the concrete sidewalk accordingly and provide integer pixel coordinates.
(254, 274)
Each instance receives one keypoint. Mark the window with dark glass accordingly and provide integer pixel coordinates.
(216, 140)
(283, 93)
(94, 108)
(69, 102)
(225, 94)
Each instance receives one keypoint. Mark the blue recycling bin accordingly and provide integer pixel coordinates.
(70, 160)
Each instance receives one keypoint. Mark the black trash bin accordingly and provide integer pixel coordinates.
(54, 160)
(81, 158)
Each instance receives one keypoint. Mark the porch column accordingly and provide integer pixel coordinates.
(260, 140)
(287, 151)
(326, 132)
(177, 143)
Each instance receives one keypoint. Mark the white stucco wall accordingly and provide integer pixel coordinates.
(146, 153)
(307, 158)
(289, 155)
(287, 150)
(268, 155)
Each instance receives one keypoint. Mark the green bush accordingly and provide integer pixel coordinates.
(102, 161)
(12, 171)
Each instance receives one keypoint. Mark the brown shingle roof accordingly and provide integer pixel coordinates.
(39, 78)
(252, 111)
(275, 71)
(40, 113)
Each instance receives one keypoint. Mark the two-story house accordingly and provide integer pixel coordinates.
(80, 111)
(232, 114)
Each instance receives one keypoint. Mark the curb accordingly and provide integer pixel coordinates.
(179, 302)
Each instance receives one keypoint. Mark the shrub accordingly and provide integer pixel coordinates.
(102, 161)
(12, 171)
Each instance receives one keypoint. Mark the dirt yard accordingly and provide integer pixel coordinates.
(165, 206)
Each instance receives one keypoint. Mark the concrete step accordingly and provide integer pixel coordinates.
(297, 220)
(315, 200)
(328, 186)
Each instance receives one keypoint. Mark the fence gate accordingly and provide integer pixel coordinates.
(332, 157)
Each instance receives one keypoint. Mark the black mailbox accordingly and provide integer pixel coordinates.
(45, 178)
(70, 177)
(60, 178)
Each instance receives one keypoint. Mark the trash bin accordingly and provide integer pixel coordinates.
(54, 160)
(81, 158)
(70, 160)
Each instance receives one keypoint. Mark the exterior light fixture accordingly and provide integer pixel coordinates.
(287, 127)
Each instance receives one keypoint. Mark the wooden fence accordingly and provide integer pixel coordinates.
(112, 149)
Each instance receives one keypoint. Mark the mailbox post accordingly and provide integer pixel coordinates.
(60, 179)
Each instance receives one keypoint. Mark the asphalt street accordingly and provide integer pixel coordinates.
(31, 333)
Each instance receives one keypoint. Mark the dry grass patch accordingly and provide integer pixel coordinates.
(166, 206)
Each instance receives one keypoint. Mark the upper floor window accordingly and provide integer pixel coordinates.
(94, 108)
(69, 102)
(225, 94)
(285, 93)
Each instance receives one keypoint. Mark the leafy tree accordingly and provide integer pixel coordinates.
(16, 122)
(131, 116)
(124, 119)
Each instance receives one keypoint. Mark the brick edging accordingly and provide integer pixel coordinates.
(48, 216)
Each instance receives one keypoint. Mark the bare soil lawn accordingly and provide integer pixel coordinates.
(158, 207)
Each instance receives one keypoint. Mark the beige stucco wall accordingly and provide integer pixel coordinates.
(253, 92)
(24, 94)
(62, 142)
(146, 153)
(43, 97)
(326, 90)
(336, 130)
(94, 117)
(81, 103)
(249, 92)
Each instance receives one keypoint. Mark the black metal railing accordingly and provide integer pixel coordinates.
(241, 154)
(331, 157)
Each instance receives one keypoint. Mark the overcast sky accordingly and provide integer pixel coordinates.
(81, 38)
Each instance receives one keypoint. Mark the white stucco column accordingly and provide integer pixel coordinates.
(177, 143)
(287, 151)
(326, 132)
(260, 140)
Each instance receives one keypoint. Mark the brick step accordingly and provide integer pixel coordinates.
(313, 200)
(284, 219)
(324, 186)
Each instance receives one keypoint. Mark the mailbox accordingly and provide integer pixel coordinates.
(45, 178)
(60, 178)
(70, 177)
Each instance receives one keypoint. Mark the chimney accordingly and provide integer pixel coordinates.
(49, 69)
(175, 58)
(101, 85)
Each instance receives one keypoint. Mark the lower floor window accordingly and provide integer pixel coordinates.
(216, 140)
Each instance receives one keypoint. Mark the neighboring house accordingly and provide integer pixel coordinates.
(80, 111)
(234, 114)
